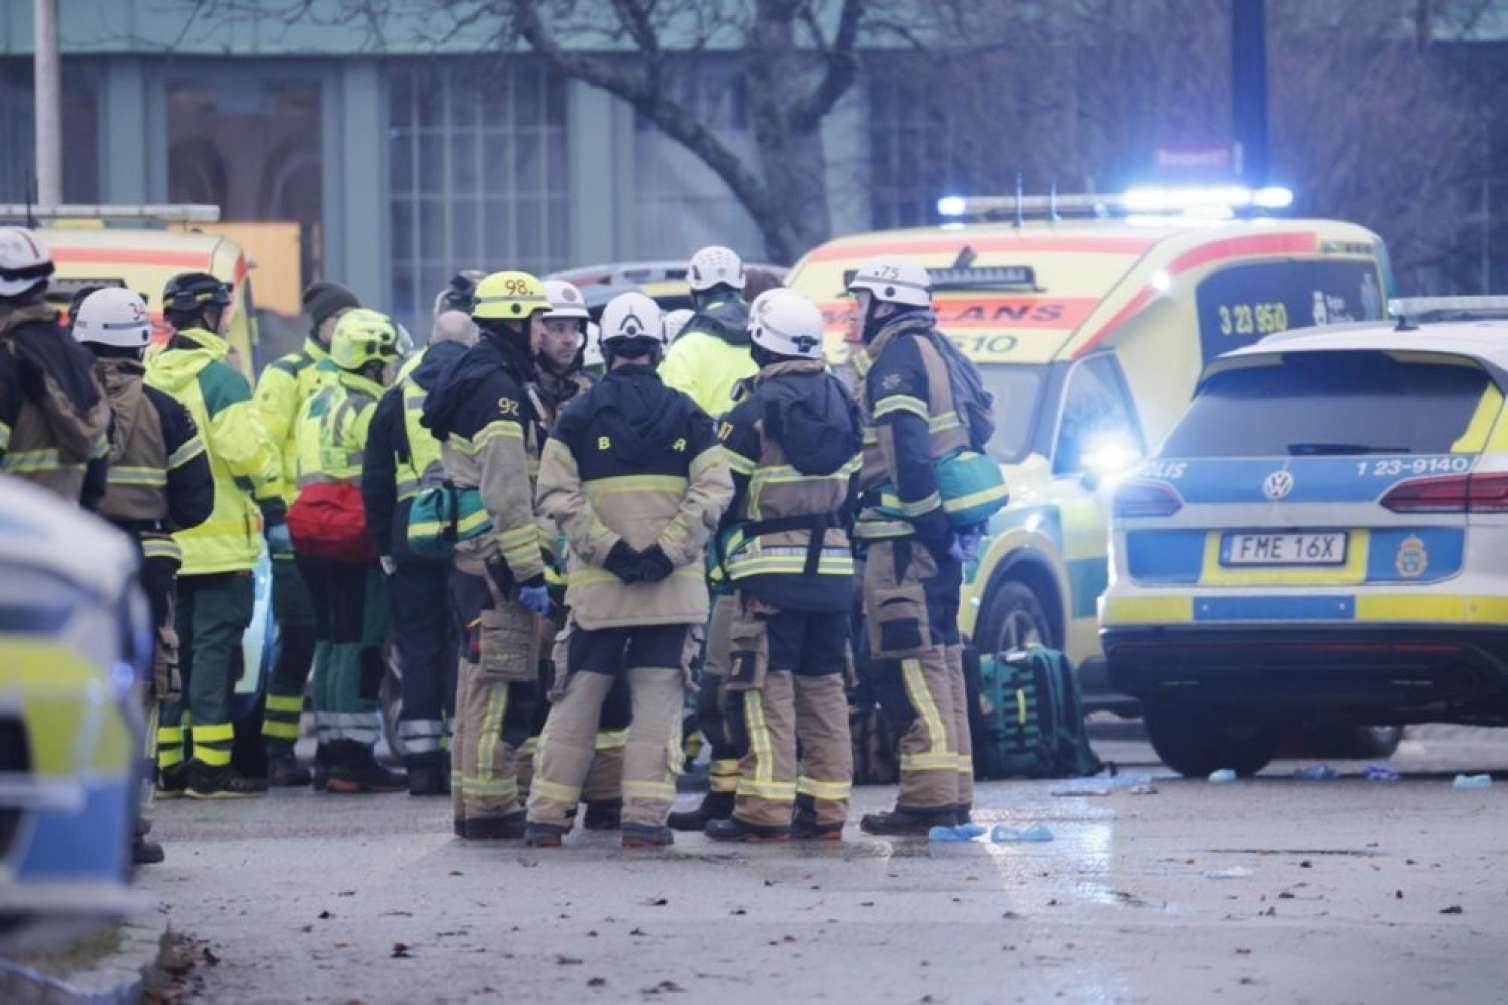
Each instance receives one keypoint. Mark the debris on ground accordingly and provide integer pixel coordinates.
(400, 951)
(1315, 773)
(1036, 833)
(1224, 776)
(1472, 782)
(1239, 872)
(1381, 773)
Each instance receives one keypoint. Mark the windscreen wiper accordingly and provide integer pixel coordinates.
(1310, 449)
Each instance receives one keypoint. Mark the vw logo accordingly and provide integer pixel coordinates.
(1277, 485)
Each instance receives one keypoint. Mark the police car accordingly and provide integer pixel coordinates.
(1322, 539)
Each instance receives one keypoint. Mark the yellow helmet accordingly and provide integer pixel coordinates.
(363, 336)
(509, 296)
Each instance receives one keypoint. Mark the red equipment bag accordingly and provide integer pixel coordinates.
(329, 520)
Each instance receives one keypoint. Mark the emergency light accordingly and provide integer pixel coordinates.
(1194, 200)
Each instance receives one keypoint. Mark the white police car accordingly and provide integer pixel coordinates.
(1322, 539)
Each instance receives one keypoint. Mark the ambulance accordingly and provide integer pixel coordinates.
(1091, 331)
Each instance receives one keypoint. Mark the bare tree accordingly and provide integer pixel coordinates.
(797, 58)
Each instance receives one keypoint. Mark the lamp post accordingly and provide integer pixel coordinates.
(47, 80)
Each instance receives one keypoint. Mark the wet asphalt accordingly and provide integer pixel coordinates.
(1269, 890)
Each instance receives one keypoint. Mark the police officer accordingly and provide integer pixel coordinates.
(285, 385)
(403, 457)
(489, 420)
(336, 555)
(215, 588)
(793, 444)
(159, 481)
(711, 353)
(913, 562)
(53, 432)
(634, 476)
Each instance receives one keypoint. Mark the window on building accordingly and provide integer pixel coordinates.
(81, 129)
(477, 175)
(910, 152)
(680, 204)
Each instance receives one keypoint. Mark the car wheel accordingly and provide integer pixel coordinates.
(1196, 741)
(1013, 619)
(1351, 742)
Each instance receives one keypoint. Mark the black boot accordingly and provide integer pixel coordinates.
(603, 815)
(145, 851)
(320, 776)
(638, 836)
(224, 782)
(904, 822)
(172, 783)
(428, 775)
(805, 826)
(283, 769)
(507, 828)
(734, 830)
(356, 771)
(544, 836)
(715, 806)
(964, 815)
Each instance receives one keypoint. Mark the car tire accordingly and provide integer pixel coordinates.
(1196, 741)
(1013, 617)
(1352, 742)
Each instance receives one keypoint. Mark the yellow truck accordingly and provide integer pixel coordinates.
(1091, 334)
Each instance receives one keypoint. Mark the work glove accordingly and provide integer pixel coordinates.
(536, 599)
(279, 541)
(624, 562)
(389, 564)
(654, 564)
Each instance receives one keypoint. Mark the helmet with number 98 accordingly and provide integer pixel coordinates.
(894, 280)
(508, 296)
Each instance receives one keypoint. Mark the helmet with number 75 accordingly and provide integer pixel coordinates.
(894, 280)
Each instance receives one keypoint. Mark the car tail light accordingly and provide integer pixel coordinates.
(1454, 494)
(1144, 498)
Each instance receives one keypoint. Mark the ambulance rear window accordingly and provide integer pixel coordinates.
(1331, 403)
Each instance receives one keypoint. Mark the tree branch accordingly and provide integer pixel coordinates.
(842, 69)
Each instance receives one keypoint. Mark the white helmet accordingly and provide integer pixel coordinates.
(631, 315)
(592, 354)
(784, 322)
(676, 322)
(715, 265)
(115, 317)
(894, 280)
(25, 262)
(566, 301)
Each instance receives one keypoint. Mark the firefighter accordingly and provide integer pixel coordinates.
(337, 557)
(711, 353)
(284, 386)
(633, 475)
(215, 585)
(489, 420)
(911, 552)
(559, 358)
(793, 442)
(159, 482)
(402, 457)
(54, 419)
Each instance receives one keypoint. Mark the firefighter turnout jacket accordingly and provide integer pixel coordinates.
(792, 444)
(633, 460)
(54, 420)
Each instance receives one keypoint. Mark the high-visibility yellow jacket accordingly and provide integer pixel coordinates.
(332, 428)
(282, 390)
(246, 465)
(711, 356)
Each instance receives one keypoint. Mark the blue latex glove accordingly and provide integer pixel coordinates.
(968, 544)
(279, 541)
(536, 599)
